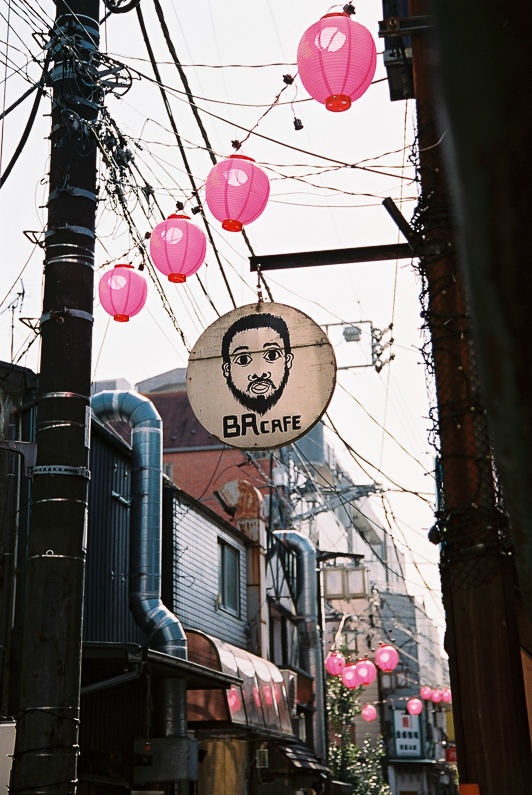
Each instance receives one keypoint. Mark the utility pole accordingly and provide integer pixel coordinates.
(46, 747)
(477, 567)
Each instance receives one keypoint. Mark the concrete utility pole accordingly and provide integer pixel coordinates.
(46, 747)
(477, 566)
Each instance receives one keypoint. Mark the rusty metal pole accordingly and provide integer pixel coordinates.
(479, 583)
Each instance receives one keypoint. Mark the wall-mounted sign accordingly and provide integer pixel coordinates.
(261, 376)
(407, 734)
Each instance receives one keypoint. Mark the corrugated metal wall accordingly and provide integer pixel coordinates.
(189, 558)
(107, 615)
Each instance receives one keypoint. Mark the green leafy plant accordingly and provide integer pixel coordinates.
(360, 766)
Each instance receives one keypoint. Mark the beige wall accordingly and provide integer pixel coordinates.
(224, 768)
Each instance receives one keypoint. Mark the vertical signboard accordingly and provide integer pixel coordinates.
(407, 734)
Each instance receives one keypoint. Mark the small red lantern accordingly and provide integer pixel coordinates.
(236, 192)
(369, 712)
(386, 658)
(177, 247)
(335, 663)
(436, 696)
(122, 292)
(446, 695)
(350, 677)
(336, 59)
(366, 671)
(425, 692)
(414, 706)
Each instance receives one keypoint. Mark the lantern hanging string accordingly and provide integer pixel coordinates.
(288, 80)
(260, 297)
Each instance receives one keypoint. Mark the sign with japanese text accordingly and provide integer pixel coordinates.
(407, 734)
(261, 376)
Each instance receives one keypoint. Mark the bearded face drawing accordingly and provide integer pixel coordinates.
(256, 360)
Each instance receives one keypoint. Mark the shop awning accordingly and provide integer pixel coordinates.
(258, 703)
(107, 665)
(296, 761)
(301, 758)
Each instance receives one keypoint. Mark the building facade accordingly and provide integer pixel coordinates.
(209, 611)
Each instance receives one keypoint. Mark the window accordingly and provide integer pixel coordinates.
(229, 577)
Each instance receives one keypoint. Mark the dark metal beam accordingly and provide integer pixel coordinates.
(339, 256)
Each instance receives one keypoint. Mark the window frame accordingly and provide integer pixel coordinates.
(228, 566)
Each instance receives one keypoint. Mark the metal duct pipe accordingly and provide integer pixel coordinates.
(160, 624)
(307, 608)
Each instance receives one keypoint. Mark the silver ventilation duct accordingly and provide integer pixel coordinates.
(309, 631)
(162, 627)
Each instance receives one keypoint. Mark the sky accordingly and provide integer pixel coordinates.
(327, 182)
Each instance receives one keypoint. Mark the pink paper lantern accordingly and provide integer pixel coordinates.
(446, 695)
(122, 292)
(335, 663)
(425, 692)
(236, 192)
(369, 712)
(336, 59)
(386, 658)
(366, 672)
(436, 696)
(350, 677)
(177, 247)
(414, 706)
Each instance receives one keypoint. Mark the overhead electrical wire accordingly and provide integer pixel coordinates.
(338, 164)
(357, 457)
(345, 502)
(18, 101)
(178, 94)
(384, 429)
(35, 11)
(209, 147)
(29, 124)
(118, 7)
(199, 121)
(180, 144)
(140, 244)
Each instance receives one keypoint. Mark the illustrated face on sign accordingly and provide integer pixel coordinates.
(257, 358)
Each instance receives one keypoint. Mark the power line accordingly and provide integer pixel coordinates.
(180, 145)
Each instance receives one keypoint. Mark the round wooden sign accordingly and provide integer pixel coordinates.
(261, 376)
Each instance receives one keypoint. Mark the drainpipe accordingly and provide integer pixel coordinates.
(162, 627)
(309, 630)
